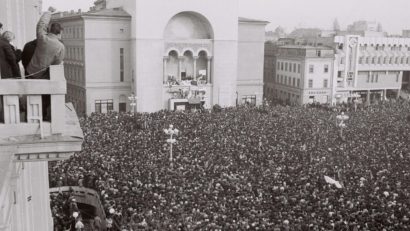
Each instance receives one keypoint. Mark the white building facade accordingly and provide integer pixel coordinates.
(193, 52)
(370, 68)
(97, 61)
(303, 74)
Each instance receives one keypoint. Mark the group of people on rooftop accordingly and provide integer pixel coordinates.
(248, 168)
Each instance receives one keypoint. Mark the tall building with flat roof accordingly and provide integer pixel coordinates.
(97, 63)
(303, 74)
(370, 68)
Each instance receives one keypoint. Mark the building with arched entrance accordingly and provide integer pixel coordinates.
(174, 54)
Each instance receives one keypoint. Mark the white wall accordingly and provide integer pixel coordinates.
(251, 50)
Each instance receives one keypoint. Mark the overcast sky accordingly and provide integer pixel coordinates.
(394, 15)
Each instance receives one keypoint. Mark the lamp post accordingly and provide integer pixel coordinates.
(171, 131)
(340, 122)
(133, 98)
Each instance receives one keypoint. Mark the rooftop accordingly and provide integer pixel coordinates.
(306, 47)
(242, 19)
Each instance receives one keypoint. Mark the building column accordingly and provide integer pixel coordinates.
(398, 93)
(208, 70)
(180, 58)
(166, 58)
(195, 75)
(384, 94)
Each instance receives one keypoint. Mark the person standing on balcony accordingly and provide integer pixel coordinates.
(27, 54)
(49, 49)
(8, 61)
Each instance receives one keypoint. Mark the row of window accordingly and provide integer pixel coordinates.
(385, 48)
(107, 105)
(312, 68)
(384, 60)
(72, 33)
(374, 77)
(283, 79)
(74, 73)
(286, 66)
(74, 53)
(325, 83)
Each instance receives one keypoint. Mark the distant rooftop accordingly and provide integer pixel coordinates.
(115, 12)
(242, 19)
(306, 47)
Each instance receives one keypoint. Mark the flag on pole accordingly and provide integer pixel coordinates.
(332, 181)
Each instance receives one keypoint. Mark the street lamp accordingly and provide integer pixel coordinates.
(133, 98)
(340, 122)
(171, 131)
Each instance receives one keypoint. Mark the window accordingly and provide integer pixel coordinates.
(286, 80)
(396, 61)
(377, 78)
(122, 64)
(286, 66)
(281, 66)
(326, 69)
(294, 82)
(339, 74)
(318, 53)
(373, 60)
(310, 84)
(391, 60)
(341, 61)
(368, 78)
(278, 66)
(385, 60)
(1, 110)
(361, 60)
(290, 81)
(281, 79)
(122, 107)
(397, 77)
(311, 68)
(379, 60)
(294, 67)
(367, 60)
(402, 60)
(325, 83)
(299, 67)
(249, 99)
(104, 106)
(298, 83)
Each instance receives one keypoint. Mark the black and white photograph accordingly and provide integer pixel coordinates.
(191, 115)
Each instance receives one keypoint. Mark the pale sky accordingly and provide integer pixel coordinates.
(394, 15)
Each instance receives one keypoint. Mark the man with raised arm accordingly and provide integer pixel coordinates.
(49, 50)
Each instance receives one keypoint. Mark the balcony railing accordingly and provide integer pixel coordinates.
(21, 106)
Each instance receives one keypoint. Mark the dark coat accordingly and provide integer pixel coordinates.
(28, 52)
(8, 63)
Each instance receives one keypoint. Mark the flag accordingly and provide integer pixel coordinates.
(332, 181)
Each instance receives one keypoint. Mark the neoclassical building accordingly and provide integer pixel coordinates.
(170, 55)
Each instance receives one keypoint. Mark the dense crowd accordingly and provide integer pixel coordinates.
(258, 168)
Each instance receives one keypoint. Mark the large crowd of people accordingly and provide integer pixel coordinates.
(256, 168)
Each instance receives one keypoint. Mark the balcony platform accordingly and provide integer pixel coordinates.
(51, 147)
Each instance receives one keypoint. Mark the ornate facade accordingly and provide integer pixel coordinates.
(193, 52)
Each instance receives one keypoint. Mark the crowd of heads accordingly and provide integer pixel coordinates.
(258, 168)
